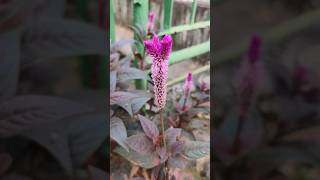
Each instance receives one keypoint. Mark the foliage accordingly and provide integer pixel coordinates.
(37, 130)
(139, 138)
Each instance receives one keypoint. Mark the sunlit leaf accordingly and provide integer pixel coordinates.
(118, 132)
(196, 149)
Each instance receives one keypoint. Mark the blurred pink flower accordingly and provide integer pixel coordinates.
(150, 24)
(187, 85)
(249, 75)
(255, 48)
(160, 51)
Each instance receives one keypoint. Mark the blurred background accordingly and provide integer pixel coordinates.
(278, 135)
(53, 77)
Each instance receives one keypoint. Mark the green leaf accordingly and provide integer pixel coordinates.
(196, 149)
(118, 132)
(144, 161)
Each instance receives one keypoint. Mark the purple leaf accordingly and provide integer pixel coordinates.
(48, 38)
(131, 102)
(96, 174)
(137, 178)
(178, 162)
(144, 161)
(177, 147)
(157, 173)
(122, 42)
(23, 112)
(10, 45)
(128, 73)
(171, 135)
(118, 132)
(149, 127)
(196, 149)
(162, 154)
(6, 161)
(113, 81)
(114, 61)
(140, 143)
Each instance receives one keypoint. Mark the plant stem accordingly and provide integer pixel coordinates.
(162, 129)
(164, 143)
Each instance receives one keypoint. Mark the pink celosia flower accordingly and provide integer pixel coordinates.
(159, 50)
(255, 48)
(150, 21)
(187, 85)
(249, 75)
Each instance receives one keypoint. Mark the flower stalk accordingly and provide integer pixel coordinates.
(159, 50)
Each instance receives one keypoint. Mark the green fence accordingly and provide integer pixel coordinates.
(140, 18)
